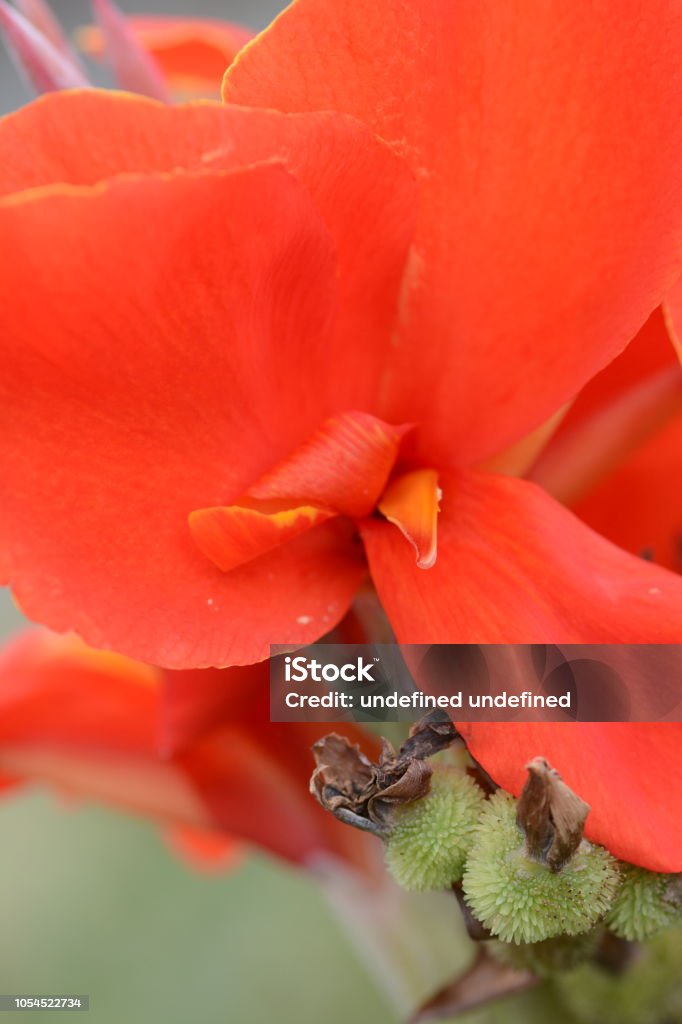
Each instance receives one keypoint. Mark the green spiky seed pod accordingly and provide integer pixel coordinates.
(645, 904)
(521, 899)
(548, 958)
(431, 837)
(648, 991)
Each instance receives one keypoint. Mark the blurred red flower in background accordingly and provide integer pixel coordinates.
(192, 53)
(99, 725)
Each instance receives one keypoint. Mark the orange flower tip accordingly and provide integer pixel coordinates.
(134, 67)
(412, 503)
(42, 64)
(233, 535)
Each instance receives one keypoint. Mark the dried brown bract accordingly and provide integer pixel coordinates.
(551, 816)
(364, 794)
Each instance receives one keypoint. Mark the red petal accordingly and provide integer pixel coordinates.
(620, 409)
(578, 459)
(649, 352)
(133, 66)
(344, 466)
(639, 506)
(363, 192)
(193, 53)
(341, 469)
(627, 771)
(515, 567)
(410, 502)
(197, 701)
(232, 536)
(39, 668)
(144, 405)
(547, 141)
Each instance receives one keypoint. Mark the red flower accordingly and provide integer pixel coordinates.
(236, 340)
(101, 726)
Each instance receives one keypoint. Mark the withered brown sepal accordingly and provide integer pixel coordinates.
(363, 793)
(551, 816)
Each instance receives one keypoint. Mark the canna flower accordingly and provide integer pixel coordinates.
(254, 353)
(193, 751)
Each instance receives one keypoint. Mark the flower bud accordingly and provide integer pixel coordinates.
(645, 904)
(431, 836)
(524, 899)
(649, 991)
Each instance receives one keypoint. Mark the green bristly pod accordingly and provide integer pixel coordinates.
(431, 837)
(645, 904)
(522, 899)
(548, 958)
(647, 991)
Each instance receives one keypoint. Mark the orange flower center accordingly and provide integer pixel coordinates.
(349, 467)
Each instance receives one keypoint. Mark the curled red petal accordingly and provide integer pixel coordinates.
(515, 567)
(344, 466)
(623, 407)
(639, 505)
(411, 503)
(579, 458)
(232, 536)
(341, 469)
